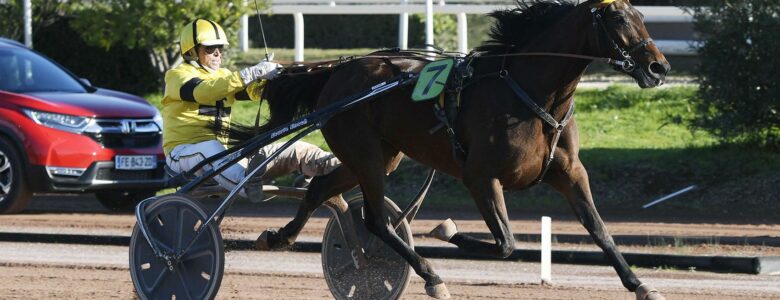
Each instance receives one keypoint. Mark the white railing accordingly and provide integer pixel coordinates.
(298, 8)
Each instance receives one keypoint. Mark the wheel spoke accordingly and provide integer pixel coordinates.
(372, 244)
(183, 282)
(162, 246)
(158, 281)
(5, 187)
(6, 164)
(179, 227)
(193, 254)
(344, 266)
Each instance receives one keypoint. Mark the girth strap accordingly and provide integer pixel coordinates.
(457, 148)
(549, 119)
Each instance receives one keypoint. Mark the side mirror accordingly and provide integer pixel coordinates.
(86, 81)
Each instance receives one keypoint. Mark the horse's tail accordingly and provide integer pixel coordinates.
(290, 95)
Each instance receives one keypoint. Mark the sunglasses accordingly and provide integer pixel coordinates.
(211, 49)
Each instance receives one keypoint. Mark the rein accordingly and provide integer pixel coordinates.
(626, 65)
(606, 60)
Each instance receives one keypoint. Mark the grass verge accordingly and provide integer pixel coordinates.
(636, 149)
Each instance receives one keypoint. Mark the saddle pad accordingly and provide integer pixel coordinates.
(433, 78)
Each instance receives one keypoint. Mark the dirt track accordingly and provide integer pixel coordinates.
(100, 272)
(82, 215)
(80, 275)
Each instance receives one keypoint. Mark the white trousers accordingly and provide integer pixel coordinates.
(300, 156)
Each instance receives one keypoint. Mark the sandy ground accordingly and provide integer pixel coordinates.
(82, 215)
(37, 271)
(52, 271)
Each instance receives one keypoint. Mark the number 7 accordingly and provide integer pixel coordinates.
(438, 69)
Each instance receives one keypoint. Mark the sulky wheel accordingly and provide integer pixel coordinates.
(172, 223)
(387, 273)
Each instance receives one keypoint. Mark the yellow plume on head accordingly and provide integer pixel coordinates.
(603, 3)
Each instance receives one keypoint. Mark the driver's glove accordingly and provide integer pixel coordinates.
(264, 70)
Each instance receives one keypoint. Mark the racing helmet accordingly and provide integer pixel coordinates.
(201, 32)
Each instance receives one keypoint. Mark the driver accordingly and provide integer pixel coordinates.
(199, 93)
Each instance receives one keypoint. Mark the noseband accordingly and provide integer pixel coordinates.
(629, 64)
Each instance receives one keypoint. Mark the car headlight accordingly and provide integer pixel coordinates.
(158, 119)
(70, 123)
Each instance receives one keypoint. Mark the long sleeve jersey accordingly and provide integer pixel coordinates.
(196, 97)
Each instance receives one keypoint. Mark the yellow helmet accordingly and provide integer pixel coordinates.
(201, 32)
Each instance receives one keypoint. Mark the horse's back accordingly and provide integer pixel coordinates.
(402, 125)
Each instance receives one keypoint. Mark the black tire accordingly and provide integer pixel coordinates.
(172, 221)
(15, 195)
(387, 274)
(123, 200)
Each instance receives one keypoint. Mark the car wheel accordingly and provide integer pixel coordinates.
(15, 195)
(123, 200)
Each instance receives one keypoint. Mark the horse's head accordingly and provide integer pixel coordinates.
(620, 33)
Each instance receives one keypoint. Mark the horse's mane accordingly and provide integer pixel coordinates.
(522, 24)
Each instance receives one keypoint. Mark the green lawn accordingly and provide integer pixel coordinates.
(628, 117)
(620, 116)
(636, 149)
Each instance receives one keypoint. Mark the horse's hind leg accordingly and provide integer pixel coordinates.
(573, 183)
(489, 197)
(321, 189)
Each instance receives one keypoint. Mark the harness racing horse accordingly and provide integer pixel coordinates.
(542, 49)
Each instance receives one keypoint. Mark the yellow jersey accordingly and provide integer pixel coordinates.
(195, 98)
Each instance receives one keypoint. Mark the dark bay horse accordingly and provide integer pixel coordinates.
(507, 143)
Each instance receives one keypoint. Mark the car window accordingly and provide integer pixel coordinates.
(23, 71)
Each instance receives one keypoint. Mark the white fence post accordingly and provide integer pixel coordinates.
(463, 34)
(546, 261)
(298, 19)
(27, 21)
(403, 28)
(243, 34)
(429, 23)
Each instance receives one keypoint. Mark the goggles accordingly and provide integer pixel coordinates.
(211, 49)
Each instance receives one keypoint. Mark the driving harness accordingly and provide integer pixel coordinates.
(446, 109)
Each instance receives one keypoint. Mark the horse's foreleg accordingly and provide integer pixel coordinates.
(321, 189)
(573, 183)
(370, 160)
(380, 225)
(489, 198)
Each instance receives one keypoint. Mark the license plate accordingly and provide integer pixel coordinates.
(135, 162)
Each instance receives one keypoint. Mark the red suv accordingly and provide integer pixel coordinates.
(60, 134)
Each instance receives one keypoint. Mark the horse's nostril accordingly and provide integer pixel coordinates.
(657, 69)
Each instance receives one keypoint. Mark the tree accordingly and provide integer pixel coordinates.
(44, 12)
(739, 73)
(153, 25)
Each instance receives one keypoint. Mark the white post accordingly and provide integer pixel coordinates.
(463, 35)
(429, 23)
(546, 250)
(27, 23)
(403, 28)
(243, 33)
(298, 19)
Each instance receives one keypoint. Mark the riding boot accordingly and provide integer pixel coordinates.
(254, 186)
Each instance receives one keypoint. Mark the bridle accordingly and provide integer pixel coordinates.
(629, 65)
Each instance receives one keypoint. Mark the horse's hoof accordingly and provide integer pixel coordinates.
(263, 242)
(438, 291)
(445, 231)
(647, 292)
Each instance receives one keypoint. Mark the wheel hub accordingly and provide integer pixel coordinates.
(6, 176)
